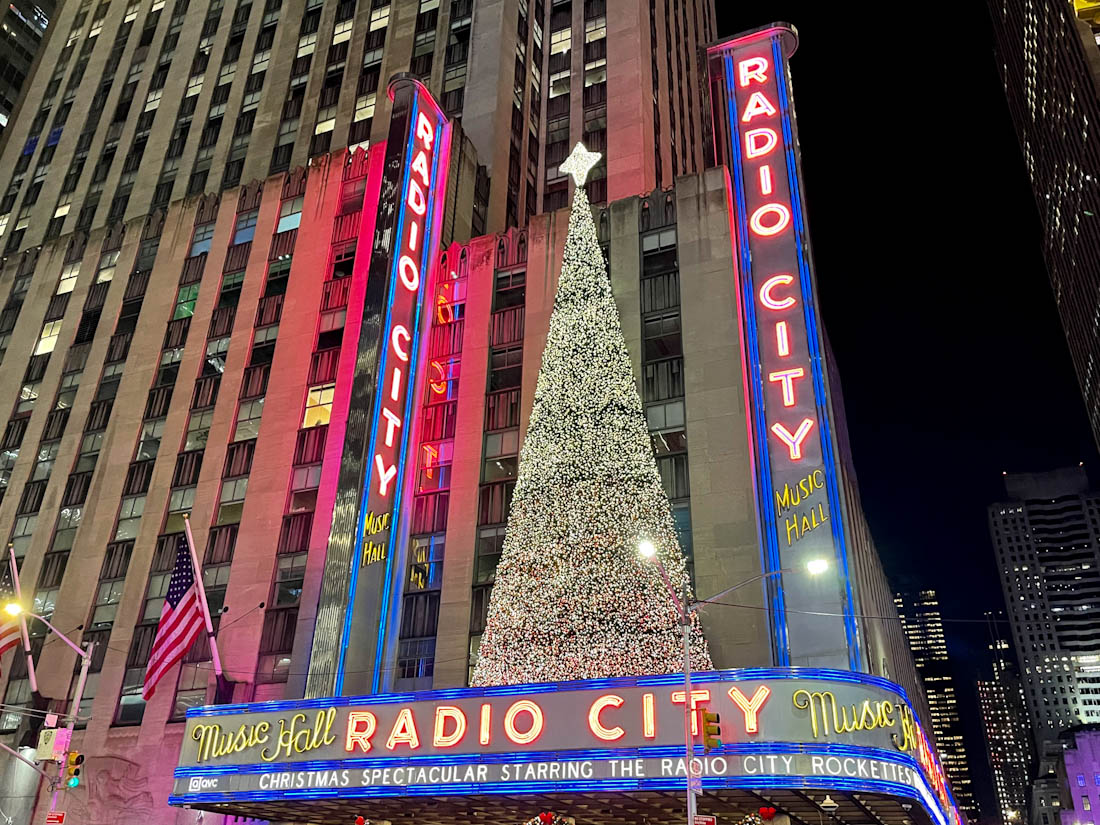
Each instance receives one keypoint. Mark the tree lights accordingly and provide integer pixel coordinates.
(573, 600)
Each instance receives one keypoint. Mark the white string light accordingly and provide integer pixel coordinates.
(573, 597)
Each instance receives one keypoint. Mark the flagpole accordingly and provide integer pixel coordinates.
(202, 596)
(22, 619)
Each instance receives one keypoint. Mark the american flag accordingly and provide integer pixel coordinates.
(10, 634)
(180, 620)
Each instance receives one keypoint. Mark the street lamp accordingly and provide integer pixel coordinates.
(684, 611)
(85, 653)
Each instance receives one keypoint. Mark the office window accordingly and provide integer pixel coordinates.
(246, 226)
(341, 32)
(201, 240)
(148, 443)
(231, 500)
(307, 44)
(248, 419)
(289, 575)
(47, 338)
(185, 301)
(106, 270)
(364, 106)
(198, 430)
(290, 214)
(68, 278)
(129, 517)
(379, 18)
(318, 405)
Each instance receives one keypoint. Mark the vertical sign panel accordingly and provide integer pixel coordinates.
(401, 250)
(798, 491)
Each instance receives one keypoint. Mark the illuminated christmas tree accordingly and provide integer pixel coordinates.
(573, 598)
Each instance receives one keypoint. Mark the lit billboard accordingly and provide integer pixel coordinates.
(798, 728)
(795, 473)
(399, 244)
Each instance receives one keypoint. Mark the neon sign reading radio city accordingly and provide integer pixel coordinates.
(767, 220)
(400, 341)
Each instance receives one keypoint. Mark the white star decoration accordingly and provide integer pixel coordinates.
(580, 163)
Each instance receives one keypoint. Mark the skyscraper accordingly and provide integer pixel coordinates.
(923, 626)
(24, 26)
(1045, 536)
(1049, 62)
(1007, 737)
(202, 330)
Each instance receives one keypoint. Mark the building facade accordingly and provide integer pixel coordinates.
(1049, 62)
(1007, 737)
(178, 342)
(923, 626)
(24, 26)
(1079, 774)
(1045, 536)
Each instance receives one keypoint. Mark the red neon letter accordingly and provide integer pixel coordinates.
(752, 69)
(757, 105)
(439, 385)
(753, 148)
(399, 339)
(395, 384)
(442, 714)
(532, 733)
(361, 725)
(782, 343)
(756, 222)
(794, 440)
(410, 275)
(766, 179)
(649, 719)
(393, 422)
(416, 200)
(424, 131)
(420, 166)
(606, 734)
(782, 279)
(404, 731)
(786, 378)
(384, 476)
(486, 716)
(751, 707)
(430, 455)
(697, 696)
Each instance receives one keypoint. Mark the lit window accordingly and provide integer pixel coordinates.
(560, 41)
(318, 405)
(290, 214)
(379, 18)
(595, 72)
(289, 576)
(68, 278)
(323, 126)
(131, 12)
(260, 61)
(47, 339)
(595, 29)
(341, 32)
(306, 44)
(194, 85)
(559, 83)
(364, 106)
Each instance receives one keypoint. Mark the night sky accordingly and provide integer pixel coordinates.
(933, 291)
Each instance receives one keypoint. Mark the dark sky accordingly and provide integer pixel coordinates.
(933, 290)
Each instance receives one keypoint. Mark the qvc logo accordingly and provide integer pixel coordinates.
(201, 783)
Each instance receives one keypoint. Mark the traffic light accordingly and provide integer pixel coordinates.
(712, 729)
(72, 769)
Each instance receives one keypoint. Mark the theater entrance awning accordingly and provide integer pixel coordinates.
(603, 751)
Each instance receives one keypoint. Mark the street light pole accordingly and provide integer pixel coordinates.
(684, 609)
(85, 654)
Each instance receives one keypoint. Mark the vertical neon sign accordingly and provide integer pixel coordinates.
(402, 250)
(797, 487)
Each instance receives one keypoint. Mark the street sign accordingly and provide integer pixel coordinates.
(58, 818)
(705, 819)
(52, 744)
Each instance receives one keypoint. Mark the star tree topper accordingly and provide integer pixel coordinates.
(580, 163)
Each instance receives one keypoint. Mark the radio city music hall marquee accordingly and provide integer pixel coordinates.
(559, 736)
